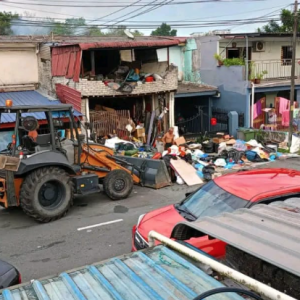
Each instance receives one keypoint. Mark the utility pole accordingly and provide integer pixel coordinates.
(293, 70)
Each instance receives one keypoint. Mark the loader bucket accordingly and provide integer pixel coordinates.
(154, 172)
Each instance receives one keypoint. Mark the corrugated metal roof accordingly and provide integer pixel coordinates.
(269, 232)
(155, 274)
(26, 98)
(82, 39)
(129, 44)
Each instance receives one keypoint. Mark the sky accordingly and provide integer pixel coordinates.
(208, 12)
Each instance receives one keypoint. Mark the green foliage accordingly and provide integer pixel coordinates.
(233, 62)
(285, 25)
(119, 31)
(94, 31)
(5, 22)
(164, 30)
(261, 75)
(218, 57)
(69, 27)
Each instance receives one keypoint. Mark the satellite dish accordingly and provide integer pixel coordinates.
(129, 34)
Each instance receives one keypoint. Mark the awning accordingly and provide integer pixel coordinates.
(191, 89)
(27, 98)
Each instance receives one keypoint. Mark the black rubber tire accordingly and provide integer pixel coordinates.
(110, 181)
(31, 187)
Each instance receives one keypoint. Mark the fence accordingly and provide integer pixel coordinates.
(275, 69)
(106, 122)
(198, 123)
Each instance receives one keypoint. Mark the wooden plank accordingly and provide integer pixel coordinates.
(186, 171)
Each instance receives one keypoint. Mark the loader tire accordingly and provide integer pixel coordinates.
(118, 184)
(47, 194)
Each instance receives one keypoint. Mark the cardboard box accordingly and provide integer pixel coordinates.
(180, 141)
(139, 133)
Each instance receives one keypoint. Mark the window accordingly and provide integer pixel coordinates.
(211, 200)
(286, 55)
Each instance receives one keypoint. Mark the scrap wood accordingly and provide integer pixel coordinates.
(186, 171)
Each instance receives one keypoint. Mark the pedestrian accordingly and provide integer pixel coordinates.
(168, 139)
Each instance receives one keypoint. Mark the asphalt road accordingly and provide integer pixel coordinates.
(40, 250)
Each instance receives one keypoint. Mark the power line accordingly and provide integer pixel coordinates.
(115, 5)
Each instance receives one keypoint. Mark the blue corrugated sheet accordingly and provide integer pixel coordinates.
(152, 274)
(26, 98)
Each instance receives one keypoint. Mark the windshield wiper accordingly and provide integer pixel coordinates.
(186, 211)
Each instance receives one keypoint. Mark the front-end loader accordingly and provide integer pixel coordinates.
(56, 162)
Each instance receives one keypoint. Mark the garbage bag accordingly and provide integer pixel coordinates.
(295, 147)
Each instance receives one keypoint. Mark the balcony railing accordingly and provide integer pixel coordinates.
(274, 69)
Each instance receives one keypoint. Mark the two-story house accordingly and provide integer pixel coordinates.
(258, 88)
(90, 73)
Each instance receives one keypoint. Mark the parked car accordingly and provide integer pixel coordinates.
(9, 275)
(223, 194)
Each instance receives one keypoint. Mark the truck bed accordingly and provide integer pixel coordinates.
(156, 273)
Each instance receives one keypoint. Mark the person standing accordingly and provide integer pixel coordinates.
(168, 139)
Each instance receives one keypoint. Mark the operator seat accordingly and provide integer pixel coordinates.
(29, 143)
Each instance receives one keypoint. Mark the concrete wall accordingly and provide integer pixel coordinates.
(98, 88)
(19, 64)
(229, 80)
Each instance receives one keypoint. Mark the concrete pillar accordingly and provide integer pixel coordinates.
(233, 123)
(171, 109)
(85, 109)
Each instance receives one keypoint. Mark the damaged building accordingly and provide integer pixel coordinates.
(115, 79)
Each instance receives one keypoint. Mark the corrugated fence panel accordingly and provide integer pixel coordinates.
(69, 96)
(64, 63)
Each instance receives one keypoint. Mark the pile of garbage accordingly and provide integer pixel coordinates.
(192, 162)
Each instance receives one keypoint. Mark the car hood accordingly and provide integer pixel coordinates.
(161, 220)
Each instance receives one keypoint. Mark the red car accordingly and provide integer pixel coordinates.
(223, 194)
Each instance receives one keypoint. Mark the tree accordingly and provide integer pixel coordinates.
(69, 27)
(94, 31)
(119, 31)
(6, 19)
(285, 24)
(164, 30)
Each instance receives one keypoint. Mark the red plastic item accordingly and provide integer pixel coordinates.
(157, 156)
(149, 79)
(213, 121)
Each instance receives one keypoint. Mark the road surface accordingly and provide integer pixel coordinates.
(40, 250)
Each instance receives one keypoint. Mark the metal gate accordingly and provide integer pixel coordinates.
(196, 124)
(222, 119)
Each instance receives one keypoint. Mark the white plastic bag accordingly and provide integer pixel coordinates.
(179, 180)
(222, 146)
(295, 147)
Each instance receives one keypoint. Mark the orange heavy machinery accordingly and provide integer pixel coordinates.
(42, 172)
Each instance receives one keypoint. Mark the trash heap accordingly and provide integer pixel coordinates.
(191, 163)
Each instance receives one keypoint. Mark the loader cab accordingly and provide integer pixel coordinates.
(40, 129)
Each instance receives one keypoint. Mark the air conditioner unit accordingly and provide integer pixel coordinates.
(258, 46)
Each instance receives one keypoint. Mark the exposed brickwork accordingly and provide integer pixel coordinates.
(45, 77)
(98, 88)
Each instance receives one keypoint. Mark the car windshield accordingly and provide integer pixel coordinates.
(210, 201)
